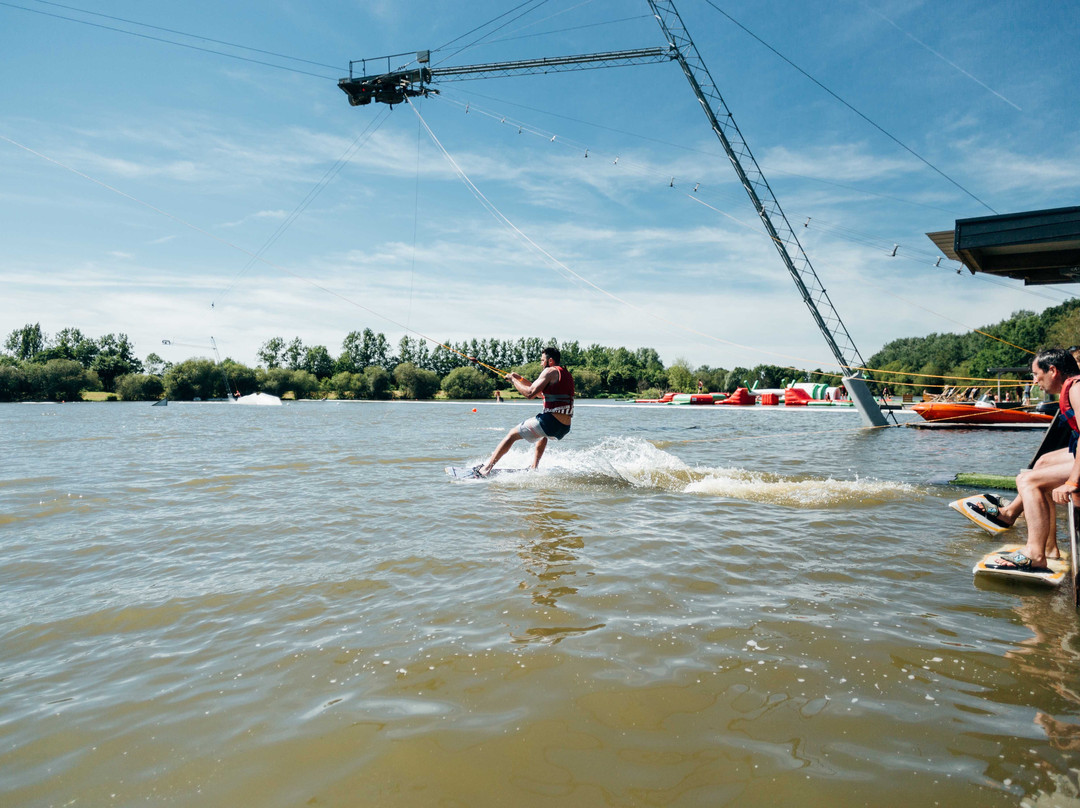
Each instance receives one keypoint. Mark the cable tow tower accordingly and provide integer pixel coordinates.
(395, 86)
(769, 211)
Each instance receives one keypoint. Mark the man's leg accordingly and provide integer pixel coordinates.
(538, 452)
(504, 446)
(1034, 487)
(1012, 511)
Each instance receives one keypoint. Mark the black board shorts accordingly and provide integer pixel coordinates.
(544, 425)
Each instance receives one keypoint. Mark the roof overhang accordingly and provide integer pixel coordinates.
(1041, 246)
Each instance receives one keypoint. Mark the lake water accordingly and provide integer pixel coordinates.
(216, 605)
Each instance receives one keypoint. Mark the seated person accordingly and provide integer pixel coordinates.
(1054, 478)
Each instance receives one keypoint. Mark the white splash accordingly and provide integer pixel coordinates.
(640, 464)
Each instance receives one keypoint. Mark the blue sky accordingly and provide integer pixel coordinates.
(194, 157)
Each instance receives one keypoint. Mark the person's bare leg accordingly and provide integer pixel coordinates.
(1051, 545)
(504, 446)
(1039, 510)
(1011, 512)
(538, 452)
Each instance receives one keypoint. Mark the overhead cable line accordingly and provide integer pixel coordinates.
(732, 196)
(866, 118)
(564, 30)
(185, 33)
(942, 57)
(873, 242)
(890, 247)
(535, 5)
(570, 274)
(317, 189)
(976, 330)
(548, 17)
(447, 95)
(166, 41)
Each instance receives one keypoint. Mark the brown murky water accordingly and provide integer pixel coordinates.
(205, 604)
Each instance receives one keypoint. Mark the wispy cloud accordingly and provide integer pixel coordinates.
(1009, 171)
(274, 215)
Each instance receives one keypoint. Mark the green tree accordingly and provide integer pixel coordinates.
(768, 376)
(115, 357)
(587, 383)
(736, 378)
(680, 378)
(353, 357)
(193, 378)
(377, 382)
(155, 365)
(530, 370)
(596, 357)
(272, 353)
(414, 382)
(139, 387)
(12, 383)
(364, 348)
(467, 383)
(109, 367)
(73, 344)
(712, 379)
(304, 384)
(59, 380)
(275, 381)
(346, 385)
(442, 361)
(318, 362)
(623, 371)
(27, 342)
(571, 354)
(407, 350)
(1065, 331)
(241, 378)
(294, 355)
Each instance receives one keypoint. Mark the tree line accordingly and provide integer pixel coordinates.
(937, 361)
(39, 367)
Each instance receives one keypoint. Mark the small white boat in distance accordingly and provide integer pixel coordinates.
(259, 400)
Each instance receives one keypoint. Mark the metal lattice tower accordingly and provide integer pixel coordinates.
(765, 203)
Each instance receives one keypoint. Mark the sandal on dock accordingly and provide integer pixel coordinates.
(1016, 562)
(990, 510)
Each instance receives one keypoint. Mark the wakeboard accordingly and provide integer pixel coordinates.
(470, 473)
(966, 507)
(1057, 568)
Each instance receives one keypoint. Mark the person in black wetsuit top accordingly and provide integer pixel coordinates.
(556, 385)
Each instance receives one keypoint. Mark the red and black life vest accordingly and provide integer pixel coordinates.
(1065, 407)
(559, 394)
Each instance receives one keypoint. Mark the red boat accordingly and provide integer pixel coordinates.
(975, 414)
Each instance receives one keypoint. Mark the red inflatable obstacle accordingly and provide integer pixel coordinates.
(740, 398)
(796, 397)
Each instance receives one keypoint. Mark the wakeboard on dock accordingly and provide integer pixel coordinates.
(983, 519)
(471, 474)
(1055, 572)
